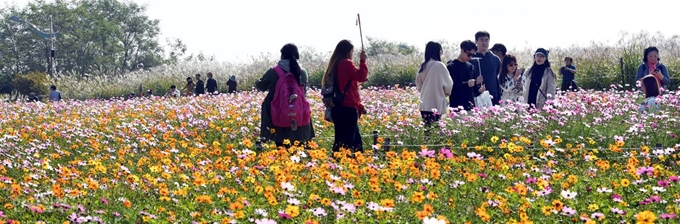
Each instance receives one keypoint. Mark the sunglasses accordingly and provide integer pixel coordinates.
(469, 54)
(513, 65)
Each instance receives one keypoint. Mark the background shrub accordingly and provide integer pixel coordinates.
(600, 65)
(36, 82)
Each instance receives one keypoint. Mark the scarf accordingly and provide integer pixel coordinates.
(285, 64)
(651, 67)
(537, 71)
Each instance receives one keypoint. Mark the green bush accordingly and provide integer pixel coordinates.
(6, 83)
(36, 82)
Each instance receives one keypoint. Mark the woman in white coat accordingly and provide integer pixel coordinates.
(434, 84)
(541, 81)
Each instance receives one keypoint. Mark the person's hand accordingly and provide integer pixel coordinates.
(482, 89)
(362, 56)
(517, 74)
(480, 79)
(471, 82)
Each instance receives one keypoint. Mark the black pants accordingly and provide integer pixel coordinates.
(429, 117)
(347, 135)
(569, 85)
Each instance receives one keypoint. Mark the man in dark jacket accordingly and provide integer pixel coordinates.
(212, 84)
(489, 64)
(200, 87)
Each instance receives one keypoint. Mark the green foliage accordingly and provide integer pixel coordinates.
(96, 37)
(36, 82)
(6, 82)
(381, 47)
(598, 67)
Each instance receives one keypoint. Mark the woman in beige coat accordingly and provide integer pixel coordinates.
(434, 84)
(541, 80)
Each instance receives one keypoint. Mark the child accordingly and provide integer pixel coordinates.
(650, 86)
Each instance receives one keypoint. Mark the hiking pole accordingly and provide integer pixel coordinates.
(361, 34)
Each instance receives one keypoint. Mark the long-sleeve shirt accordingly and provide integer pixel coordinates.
(462, 94)
(643, 70)
(434, 84)
(346, 70)
(211, 86)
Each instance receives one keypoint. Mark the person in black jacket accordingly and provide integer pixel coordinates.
(200, 87)
(232, 84)
(211, 86)
(465, 83)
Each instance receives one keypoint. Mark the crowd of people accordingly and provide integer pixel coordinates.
(459, 84)
(199, 88)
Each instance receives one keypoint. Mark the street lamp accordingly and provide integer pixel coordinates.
(51, 35)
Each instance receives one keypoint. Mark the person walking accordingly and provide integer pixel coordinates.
(284, 134)
(200, 86)
(342, 71)
(540, 85)
(434, 84)
(463, 74)
(211, 85)
(489, 64)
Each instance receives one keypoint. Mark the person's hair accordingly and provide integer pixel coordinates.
(509, 58)
(569, 58)
(189, 79)
(53, 87)
(481, 34)
(209, 74)
(198, 74)
(433, 51)
(342, 51)
(173, 87)
(468, 45)
(500, 47)
(290, 52)
(650, 50)
(651, 87)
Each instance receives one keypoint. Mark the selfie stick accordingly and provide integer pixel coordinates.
(360, 32)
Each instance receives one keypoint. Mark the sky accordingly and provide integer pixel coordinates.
(232, 30)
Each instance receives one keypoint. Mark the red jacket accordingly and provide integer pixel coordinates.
(347, 70)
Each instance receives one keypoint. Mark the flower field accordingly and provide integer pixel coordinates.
(589, 157)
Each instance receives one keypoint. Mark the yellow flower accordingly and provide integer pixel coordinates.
(593, 207)
(418, 197)
(625, 182)
(645, 217)
(547, 210)
(293, 211)
(494, 139)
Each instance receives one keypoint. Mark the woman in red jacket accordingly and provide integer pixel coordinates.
(346, 76)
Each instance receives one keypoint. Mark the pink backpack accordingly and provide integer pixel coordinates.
(290, 108)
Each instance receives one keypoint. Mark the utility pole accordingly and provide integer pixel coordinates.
(52, 52)
(51, 35)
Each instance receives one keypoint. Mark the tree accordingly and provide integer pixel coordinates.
(378, 47)
(100, 37)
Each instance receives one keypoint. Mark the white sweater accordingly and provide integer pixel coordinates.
(434, 84)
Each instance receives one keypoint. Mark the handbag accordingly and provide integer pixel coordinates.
(331, 97)
(483, 100)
